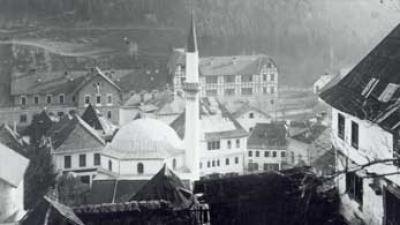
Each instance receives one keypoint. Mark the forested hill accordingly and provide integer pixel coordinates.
(305, 37)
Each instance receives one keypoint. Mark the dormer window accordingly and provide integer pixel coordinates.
(388, 93)
(369, 87)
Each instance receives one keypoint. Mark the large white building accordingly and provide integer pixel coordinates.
(365, 135)
(229, 76)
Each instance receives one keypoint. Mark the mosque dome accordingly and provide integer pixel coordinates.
(145, 138)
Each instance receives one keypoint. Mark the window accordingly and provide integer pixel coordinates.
(229, 144)
(98, 99)
(213, 145)
(218, 162)
(74, 98)
(272, 77)
(85, 179)
(48, 99)
(236, 160)
(229, 79)
(271, 166)
(213, 163)
(264, 77)
(388, 92)
(265, 90)
(23, 118)
(354, 134)
(109, 99)
(174, 164)
(60, 114)
(251, 115)
(253, 166)
(257, 154)
(274, 154)
(67, 161)
(272, 90)
(23, 100)
(354, 187)
(247, 78)
(87, 99)
(212, 92)
(247, 91)
(140, 168)
(341, 126)
(96, 161)
(208, 164)
(212, 79)
(201, 165)
(227, 161)
(109, 115)
(283, 154)
(82, 160)
(36, 100)
(109, 165)
(266, 154)
(250, 153)
(61, 99)
(229, 91)
(369, 87)
(237, 143)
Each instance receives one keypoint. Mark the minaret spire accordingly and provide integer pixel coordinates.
(191, 87)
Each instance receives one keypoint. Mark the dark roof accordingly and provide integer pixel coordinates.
(359, 93)
(61, 130)
(268, 136)
(192, 38)
(132, 206)
(207, 111)
(38, 215)
(90, 117)
(167, 186)
(12, 139)
(310, 134)
(113, 191)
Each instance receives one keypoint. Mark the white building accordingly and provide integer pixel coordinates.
(12, 170)
(229, 76)
(365, 129)
(248, 116)
(266, 147)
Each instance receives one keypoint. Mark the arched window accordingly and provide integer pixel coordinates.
(174, 164)
(109, 165)
(140, 168)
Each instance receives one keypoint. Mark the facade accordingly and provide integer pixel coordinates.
(365, 135)
(76, 147)
(11, 184)
(248, 116)
(266, 148)
(229, 76)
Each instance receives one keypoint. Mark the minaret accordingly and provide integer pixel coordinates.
(191, 88)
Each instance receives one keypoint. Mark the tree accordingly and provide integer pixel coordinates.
(39, 176)
(71, 190)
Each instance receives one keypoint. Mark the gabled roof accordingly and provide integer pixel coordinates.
(215, 120)
(12, 166)
(246, 108)
(167, 186)
(60, 131)
(310, 134)
(268, 136)
(371, 89)
(48, 210)
(90, 117)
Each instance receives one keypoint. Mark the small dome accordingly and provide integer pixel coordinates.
(145, 138)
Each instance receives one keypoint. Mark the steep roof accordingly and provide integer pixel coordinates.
(97, 121)
(114, 191)
(167, 186)
(12, 166)
(233, 65)
(371, 89)
(310, 134)
(61, 131)
(268, 136)
(215, 120)
(246, 108)
(49, 210)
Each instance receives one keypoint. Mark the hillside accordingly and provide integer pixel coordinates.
(305, 37)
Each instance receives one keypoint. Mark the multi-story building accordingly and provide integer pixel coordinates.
(229, 76)
(266, 147)
(365, 135)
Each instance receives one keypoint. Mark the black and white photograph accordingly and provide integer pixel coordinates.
(199, 112)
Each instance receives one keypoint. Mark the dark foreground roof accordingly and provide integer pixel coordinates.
(371, 89)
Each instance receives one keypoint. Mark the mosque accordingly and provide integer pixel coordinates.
(141, 147)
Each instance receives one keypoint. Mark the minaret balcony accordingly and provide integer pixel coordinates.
(191, 86)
